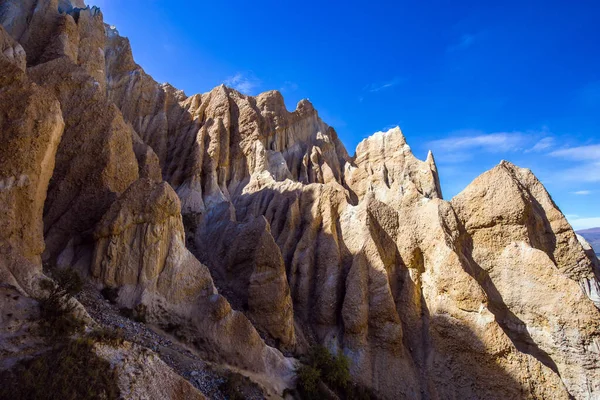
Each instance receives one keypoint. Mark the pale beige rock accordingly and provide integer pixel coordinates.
(249, 264)
(18, 315)
(31, 126)
(486, 296)
(143, 375)
(384, 164)
(140, 250)
(11, 50)
(531, 265)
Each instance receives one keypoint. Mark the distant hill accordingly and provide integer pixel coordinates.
(593, 237)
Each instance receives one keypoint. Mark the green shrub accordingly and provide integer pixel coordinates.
(319, 368)
(68, 280)
(57, 306)
(335, 370)
(71, 371)
(337, 374)
(113, 337)
(308, 381)
(138, 315)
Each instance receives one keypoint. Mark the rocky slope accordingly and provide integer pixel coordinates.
(250, 230)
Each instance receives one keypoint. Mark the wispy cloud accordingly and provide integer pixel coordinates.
(543, 144)
(586, 160)
(478, 140)
(584, 223)
(588, 172)
(464, 43)
(581, 153)
(583, 192)
(245, 83)
(377, 87)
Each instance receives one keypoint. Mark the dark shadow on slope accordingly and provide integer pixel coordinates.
(461, 367)
(514, 328)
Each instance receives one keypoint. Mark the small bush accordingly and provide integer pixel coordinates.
(337, 374)
(68, 280)
(335, 370)
(140, 313)
(321, 367)
(110, 294)
(137, 315)
(308, 381)
(113, 337)
(57, 306)
(72, 371)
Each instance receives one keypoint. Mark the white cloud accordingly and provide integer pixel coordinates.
(377, 87)
(245, 83)
(584, 223)
(583, 173)
(581, 153)
(583, 192)
(489, 142)
(588, 168)
(543, 144)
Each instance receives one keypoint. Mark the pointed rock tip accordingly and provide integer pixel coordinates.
(431, 159)
(305, 105)
(395, 131)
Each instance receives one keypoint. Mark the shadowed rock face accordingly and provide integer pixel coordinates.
(31, 126)
(489, 295)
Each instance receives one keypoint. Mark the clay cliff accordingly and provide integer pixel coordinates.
(251, 232)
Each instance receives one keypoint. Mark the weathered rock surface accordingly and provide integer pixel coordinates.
(138, 368)
(385, 165)
(532, 267)
(11, 50)
(249, 265)
(31, 126)
(140, 249)
(490, 295)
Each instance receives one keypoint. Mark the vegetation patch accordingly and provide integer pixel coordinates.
(323, 375)
(70, 371)
(112, 337)
(57, 319)
(138, 314)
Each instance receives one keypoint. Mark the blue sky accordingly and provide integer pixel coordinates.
(474, 82)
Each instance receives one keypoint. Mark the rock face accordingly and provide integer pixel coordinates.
(140, 249)
(265, 236)
(137, 370)
(31, 126)
(11, 50)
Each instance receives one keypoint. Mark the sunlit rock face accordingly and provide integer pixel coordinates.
(31, 126)
(250, 227)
